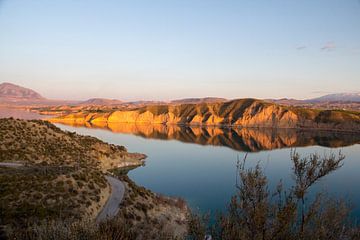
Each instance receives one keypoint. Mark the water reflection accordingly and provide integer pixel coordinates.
(6, 112)
(240, 139)
(205, 176)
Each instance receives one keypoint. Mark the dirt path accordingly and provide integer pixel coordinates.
(111, 207)
(11, 164)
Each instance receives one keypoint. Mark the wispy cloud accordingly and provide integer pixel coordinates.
(301, 47)
(329, 46)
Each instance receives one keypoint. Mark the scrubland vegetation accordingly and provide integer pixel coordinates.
(143, 215)
(40, 142)
(58, 187)
(152, 215)
(59, 176)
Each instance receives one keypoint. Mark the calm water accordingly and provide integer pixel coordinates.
(199, 165)
(6, 112)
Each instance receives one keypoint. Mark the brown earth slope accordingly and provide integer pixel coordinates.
(242, 112)
(50, 178)
(46, 173)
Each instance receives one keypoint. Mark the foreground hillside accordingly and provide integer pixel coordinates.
(40, 142)
(242, 112)
(49, 173)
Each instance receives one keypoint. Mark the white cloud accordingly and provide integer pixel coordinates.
(329, 46)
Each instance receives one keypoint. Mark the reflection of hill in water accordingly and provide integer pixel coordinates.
(241, 139)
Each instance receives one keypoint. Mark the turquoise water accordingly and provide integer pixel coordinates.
(205, 175)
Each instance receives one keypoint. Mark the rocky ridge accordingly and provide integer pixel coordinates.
(242, 112)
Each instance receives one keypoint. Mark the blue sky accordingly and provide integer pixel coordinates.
(131, 50)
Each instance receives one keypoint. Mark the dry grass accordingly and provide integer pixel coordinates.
(61, 187)
(150, 214)
(62, 176)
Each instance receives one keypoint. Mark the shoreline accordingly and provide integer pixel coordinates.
(190, 125)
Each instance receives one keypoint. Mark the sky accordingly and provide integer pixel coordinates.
(170, 49)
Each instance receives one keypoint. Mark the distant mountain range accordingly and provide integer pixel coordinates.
(338, 97)
(330, 98)
(11, 93)
(101, 102)
(198, 100)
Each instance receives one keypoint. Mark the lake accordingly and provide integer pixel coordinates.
(199, 164)
(20, 113)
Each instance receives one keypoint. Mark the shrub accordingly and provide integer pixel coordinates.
(256, 213)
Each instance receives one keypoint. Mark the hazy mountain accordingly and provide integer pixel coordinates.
(198, 100)
(338, 97)
(143, 103)
(101, 102)
(344, 101)
(12, 92)
(286, 101)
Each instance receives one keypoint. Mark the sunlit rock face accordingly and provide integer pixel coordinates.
(239, 113)
(241, 139)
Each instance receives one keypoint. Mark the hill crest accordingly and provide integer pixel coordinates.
(239, 113)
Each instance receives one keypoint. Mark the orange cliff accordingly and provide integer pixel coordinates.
(242, 113)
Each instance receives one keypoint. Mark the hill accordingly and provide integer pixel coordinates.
(338, 97)
(12, 92)
(329, 102)
(241, 112)
(48, 173)
(101, 102)
(198, 100)
(13, 95)
(49, 176)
